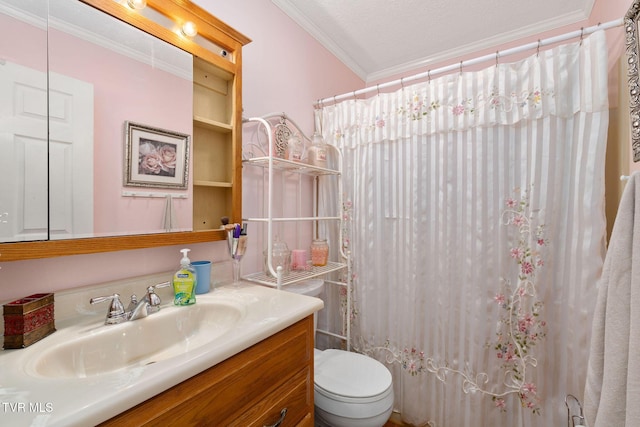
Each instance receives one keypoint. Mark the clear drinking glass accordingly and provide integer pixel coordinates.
(237, 244)
(280, 257)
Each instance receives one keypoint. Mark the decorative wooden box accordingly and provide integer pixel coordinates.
(28, 320)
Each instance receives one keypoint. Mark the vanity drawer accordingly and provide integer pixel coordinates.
(292, 395)
(247, 389)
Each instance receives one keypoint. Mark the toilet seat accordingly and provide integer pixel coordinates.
(351, 385)
(350, 375)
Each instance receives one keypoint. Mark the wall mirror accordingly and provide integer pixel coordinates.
(631, 29)
(103, 90)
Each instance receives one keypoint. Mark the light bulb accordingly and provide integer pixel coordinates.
(137, 4)
(189, 29)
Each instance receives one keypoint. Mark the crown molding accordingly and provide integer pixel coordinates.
(327, 42)
(24, 15)
(376, 75)
(173, 66)
(478, 45)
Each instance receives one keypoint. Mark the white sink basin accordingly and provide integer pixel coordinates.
(87, 372)
(168, 333)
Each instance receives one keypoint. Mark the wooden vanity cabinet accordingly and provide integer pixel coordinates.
(249, 389)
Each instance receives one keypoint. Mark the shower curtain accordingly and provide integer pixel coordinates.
(474, 215)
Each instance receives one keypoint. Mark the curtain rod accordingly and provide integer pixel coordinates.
(540, 43)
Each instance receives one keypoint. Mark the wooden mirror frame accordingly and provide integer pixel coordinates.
(217, 32)
(633, 74)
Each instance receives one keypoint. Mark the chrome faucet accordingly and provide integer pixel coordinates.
(149, 304)
(137, 309)
(116, 313)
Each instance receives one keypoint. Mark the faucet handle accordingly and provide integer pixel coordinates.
(116, 312)
(132, 303)
(153, 298)
(162, 285)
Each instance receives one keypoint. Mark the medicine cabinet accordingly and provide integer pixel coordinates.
(214, 164)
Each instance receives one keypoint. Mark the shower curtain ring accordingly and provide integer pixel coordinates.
(378, 89)
(460, 67)
(429, 76)
(497, 56)
(538, 49)
(581, 35)
(402, 82)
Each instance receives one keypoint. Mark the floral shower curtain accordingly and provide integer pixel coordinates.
(475, 207)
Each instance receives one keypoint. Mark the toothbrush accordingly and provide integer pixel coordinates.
(242, 240)
(236, 237)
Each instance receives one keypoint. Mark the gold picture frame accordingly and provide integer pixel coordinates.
(156, 158)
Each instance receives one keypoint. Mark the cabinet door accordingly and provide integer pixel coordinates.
(251, 388)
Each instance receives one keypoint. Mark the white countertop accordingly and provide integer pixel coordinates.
(27, 398)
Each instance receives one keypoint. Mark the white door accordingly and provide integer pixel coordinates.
(25, 184)
(23, 144)
(70, 157)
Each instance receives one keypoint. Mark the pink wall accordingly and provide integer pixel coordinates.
(124, 89)
(285, 69)
(36, 57)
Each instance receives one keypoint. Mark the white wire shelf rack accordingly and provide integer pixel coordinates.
(290, 166)
(263, 148)
(294, 276)
(305, 218)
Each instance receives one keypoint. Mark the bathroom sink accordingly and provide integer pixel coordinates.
(169, 333)
(87, 372)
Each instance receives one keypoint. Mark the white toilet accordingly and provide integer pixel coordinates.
(351, 390)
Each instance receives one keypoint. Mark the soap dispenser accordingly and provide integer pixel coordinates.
(184, 281)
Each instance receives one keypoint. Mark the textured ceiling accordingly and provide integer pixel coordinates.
(379, 38)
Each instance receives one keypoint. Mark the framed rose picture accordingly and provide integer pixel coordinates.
(155, 157)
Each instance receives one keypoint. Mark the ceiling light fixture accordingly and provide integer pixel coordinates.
(137, 4)
(189, 29)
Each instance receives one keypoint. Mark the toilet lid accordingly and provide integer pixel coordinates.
(310, 287)
(350, 374)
